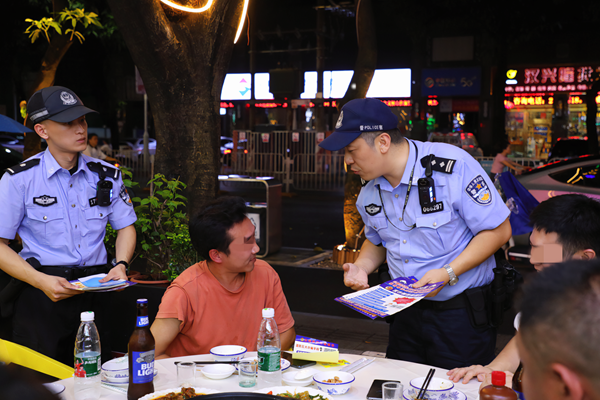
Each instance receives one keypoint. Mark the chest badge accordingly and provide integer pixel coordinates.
(373, 209)
(479, 191)
(44, 200)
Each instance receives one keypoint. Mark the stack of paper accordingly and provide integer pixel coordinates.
(306, 348)
(92, 283)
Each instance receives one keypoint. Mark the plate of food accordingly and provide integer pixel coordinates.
(187, 392)
(295, 392)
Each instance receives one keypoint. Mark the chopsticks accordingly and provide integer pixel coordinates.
(425, 384)
(209, 362)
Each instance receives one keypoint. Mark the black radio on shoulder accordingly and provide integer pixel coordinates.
(104, 192)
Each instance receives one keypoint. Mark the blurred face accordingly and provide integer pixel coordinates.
(93, 141)
(243, 248)
(64, 137)
(545, 249)
(363, 160)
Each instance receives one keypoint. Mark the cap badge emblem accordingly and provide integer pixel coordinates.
(338, 124)
(67, 99)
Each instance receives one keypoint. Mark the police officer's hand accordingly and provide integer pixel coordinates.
(468, 373)
(58, 288)
(433, 276)
(355, 277)
(115, 273)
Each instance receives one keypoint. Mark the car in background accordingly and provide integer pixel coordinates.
(137, 145)
(570, 147)
(575, 175)
(13, 142)
(464, 140)
(8, 158)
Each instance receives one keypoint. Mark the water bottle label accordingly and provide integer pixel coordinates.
(143, 366)
(142, 321)
(269, 362)
(86, 367)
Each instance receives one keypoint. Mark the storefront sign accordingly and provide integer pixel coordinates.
(549, 79)
(295, 136)
(451, 82)
(265, 137)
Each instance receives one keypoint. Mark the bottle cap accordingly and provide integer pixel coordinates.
(268, 313)
(498, 378)
(140, 301)
(87, 316)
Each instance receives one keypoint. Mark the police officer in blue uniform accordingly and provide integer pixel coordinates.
(431, 211)
(59, 202)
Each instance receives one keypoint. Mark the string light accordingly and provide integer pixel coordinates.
(206, 7)
(188, 9)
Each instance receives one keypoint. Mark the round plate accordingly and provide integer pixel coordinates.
(160, 393)
(453, 394)
(293, 389)
(54, 388)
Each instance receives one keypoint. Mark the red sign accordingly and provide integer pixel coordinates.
(549, 79)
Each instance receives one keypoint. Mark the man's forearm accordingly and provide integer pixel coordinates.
(481, 247)
(371, 257)
(125, 243)
(15, 266)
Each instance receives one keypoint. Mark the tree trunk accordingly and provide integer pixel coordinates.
(366, 61)
(182, 58)
(57, 48)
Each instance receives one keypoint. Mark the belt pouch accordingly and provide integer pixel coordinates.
(476, 306)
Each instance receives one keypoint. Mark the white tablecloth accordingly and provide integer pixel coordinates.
(382, 368)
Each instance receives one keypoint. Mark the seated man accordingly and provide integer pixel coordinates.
(558, 336)
(570, 222)
(220, 300)
(92, 149)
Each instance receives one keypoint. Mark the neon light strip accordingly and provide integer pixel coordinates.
(188, 9)
(241, 24)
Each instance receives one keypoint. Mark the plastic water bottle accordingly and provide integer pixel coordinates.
(269, 350)
(87, 359)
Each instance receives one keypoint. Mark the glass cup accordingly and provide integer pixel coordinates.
(392, 390)
(186, 374)
(247, 370)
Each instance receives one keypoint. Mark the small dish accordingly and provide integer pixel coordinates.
(334, 388)
(452, 394)
(116, 368)
(228, 352)
(218, 371)
(289, 379)
(437, 387)
(55, 388)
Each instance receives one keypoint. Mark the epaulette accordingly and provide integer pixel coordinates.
(24, 166)
(103, 170)
(439, 164)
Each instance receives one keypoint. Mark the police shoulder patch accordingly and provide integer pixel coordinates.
(479, 191)
(25, 165)
(439, 164)
(124, 195)
(373, 209)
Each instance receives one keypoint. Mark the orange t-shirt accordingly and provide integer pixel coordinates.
(211, 315)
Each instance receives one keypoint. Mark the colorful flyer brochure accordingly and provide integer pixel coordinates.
(92, 283)
(306, 348)
(388, 298)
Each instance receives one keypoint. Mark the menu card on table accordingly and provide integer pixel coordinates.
(388, 298)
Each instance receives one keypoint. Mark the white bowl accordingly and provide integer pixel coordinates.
(117, 368)
(120, 379)
(334, 388)
(289, 379)
(228, 353)
(437, 387)
(218, 371)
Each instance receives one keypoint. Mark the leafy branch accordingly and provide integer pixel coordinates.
(69, 17)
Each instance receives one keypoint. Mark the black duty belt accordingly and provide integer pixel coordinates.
(71, 273)
(458, 301)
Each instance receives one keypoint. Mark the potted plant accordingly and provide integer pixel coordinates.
(162, 231)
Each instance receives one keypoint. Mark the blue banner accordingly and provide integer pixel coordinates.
(451, 82)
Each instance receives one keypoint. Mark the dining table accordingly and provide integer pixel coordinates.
(380, 368)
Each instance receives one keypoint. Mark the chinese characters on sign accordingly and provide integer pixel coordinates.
(552, 79)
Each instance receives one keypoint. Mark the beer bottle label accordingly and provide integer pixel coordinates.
(269, 362)
(142, 321)
(86, 367)
(143, 366)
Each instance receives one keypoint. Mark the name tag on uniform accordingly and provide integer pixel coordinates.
(432, 208)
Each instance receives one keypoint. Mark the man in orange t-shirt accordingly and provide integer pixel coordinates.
(219, 301)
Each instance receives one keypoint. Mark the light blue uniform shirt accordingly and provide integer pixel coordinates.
(50, 209)
(439, 237)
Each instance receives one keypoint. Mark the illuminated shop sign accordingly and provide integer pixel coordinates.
(549, 79)
(540, 100)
